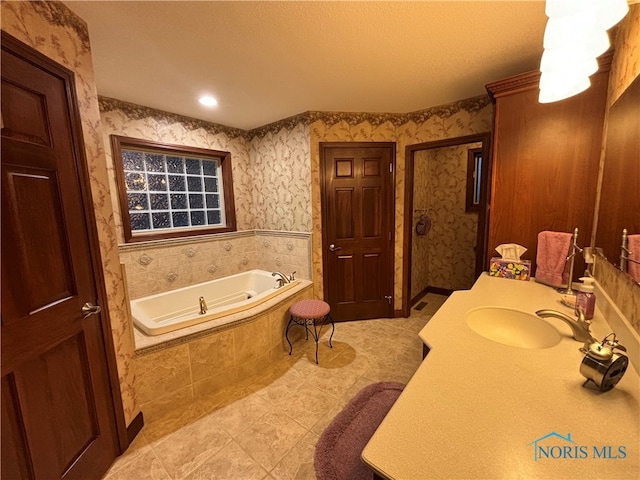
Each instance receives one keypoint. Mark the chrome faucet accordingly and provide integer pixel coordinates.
(580, 326)
(203, 306)
(282, 280)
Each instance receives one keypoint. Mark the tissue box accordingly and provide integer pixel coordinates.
(510, 269)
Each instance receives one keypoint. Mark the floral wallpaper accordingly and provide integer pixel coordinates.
(276, 167)
(52, 29)
(445, 257)
(625, 69)
(281, 192)
(129, 120)
(466, 117)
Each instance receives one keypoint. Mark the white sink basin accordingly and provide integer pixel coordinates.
(512, 327)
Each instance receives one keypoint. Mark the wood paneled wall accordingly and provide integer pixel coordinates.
(545, 162)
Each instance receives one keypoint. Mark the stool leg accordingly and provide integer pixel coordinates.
(286, 335)
(333, 329)
(315, 336)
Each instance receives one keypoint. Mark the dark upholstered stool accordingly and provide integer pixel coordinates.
(310, 313)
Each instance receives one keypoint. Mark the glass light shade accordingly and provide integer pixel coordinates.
(563, 31)
(558, 86)
(563, 8)
(559, 35)
(568, 59)
(611, 12)
(607, 12)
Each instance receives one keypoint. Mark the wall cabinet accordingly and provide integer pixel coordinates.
(545, 162)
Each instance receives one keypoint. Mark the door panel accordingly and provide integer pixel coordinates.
(57, 404)
(357, 199)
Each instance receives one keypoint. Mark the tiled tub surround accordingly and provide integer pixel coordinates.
(155, 267)
(178, 368)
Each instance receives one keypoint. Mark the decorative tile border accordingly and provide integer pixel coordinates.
(172, 242)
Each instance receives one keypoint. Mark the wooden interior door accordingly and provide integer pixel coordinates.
(357, 219)
(58, 416)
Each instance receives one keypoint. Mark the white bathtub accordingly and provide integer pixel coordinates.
(169, 311)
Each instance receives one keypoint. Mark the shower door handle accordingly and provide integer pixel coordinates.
(333, 248)
(89, 309)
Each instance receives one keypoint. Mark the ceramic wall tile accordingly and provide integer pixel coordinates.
(52, 29)
(173, 375)
(162, 373)
(624, 292)
(209, 355)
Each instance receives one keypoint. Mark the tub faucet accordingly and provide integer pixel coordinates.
(282, 280)
(579, 327)
(203, 306)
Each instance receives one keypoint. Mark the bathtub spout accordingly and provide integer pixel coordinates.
(282, 280)
(203, 306)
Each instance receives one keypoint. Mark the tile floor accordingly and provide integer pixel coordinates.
(267, 428)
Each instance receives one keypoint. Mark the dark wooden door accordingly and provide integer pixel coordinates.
(357, 218)
(58, 418)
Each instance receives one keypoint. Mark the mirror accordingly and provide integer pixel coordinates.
(620, 192)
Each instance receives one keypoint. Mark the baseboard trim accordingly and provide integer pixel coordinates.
(134, 427)
(437, 290)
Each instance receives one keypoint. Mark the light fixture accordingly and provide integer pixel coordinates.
(208, 101)
(606, 13)
(555, 86)
(575, 35)
(568, 61)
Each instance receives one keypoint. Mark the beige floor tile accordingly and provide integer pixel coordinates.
(138, 447)
(298, 463)
(172, 421)
(266, 427)
(230, 463)
(239, 415)
(270, 438)
(145, 467)
(186, 449)
(307, 404)
(279, 383)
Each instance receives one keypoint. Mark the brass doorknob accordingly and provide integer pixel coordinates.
(89, 309)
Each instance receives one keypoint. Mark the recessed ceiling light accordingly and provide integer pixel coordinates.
(208, 101)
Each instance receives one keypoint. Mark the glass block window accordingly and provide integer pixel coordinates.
(170, 191)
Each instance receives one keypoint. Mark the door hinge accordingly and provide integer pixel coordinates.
(391, 168)
(388, 297)
(389, 236)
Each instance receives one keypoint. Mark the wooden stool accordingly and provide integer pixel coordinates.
(310, 312)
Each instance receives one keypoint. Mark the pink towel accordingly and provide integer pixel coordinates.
(552, 267)
(633, 268)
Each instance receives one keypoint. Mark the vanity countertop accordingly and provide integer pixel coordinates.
(476, 408)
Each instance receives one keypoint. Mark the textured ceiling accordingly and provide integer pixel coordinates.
(266, 60)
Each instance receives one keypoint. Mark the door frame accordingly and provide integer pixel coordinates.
(323, 146)
(40, 60)
(483, 214)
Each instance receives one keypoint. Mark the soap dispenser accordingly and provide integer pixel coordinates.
(586, 298)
